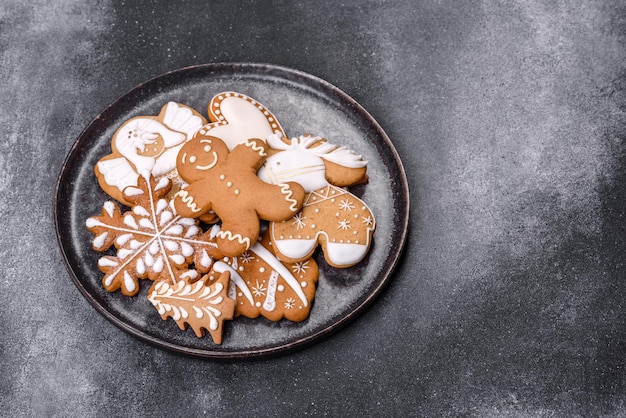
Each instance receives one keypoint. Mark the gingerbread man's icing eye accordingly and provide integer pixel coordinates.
(192, 159)
(207, 146)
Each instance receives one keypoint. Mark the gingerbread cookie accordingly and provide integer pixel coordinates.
(201, 305)
(152, 240)
(236, 117)
(147, 143)
(263, 285)
(331, 216)
(226, 183)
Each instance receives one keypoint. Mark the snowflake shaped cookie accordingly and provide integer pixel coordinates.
(152, 240)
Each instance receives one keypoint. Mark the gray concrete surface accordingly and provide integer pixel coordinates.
(510, 120)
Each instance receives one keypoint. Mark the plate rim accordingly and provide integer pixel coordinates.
(243, 68)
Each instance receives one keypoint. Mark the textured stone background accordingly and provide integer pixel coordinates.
(510, 119)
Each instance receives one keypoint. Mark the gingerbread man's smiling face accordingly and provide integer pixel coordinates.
(199, 156)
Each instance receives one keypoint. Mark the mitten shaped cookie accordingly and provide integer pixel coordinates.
(331, 215)
(226, 183)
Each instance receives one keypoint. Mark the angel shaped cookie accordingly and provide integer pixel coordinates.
(331, 215)
(147, 144)
(236, 117)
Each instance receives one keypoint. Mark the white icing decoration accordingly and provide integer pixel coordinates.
(107, 262)
(141, 211)
(129, 283)
(235, 278)
(270, 300)
(319, 146)
(205, 260)
(241, 120)
(228, 235)
(109, 208)
(270, 259)
(170, 245)
(140, 267)
(177, 258)
(345, 254)
(188, 200)
(209, 166)
(100, 240)
(308, 170)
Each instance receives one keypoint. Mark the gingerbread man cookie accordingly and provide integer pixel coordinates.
(226, 183)
(331, 215)
(147, 143)
(236, 117)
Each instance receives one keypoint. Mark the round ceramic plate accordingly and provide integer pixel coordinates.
(303, 104)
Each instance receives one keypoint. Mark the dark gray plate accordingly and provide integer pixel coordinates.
(303, 104)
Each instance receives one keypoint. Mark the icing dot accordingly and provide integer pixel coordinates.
(355, 232)
(317, 210)
(266, 113)
(222, 177)
(207, 148)
(280, 288)
(217, 104)
(240, 268)
(217, 112)
(337, 214)
(356, 242)
(192, 159)
(313, 226)
(303, 284)
(240, 294)
(341, 241)
(332, 200)
(220, 97)
(282, 237)
(363, 208)
(229, 184)
(314, 197)
(221, 118)
(270, 119)
(237, 191)
(262, 270)
(258, 304)
(273, 125)
(356, 216)
(225, 259)
(228, 94)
